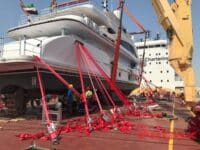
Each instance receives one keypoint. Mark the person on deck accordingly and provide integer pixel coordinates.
(89, 96)
(70, 99)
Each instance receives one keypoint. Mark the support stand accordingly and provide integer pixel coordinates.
(33, 146)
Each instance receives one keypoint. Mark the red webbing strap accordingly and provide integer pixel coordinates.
(98, 80)
(143, 56)
(44, 104)
(134, 19)
(81, 79)
(91, 81)
(107, 94)
(112, 85)
(116, 56)
(38, 59)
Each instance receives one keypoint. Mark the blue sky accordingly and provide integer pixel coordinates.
(142, 9)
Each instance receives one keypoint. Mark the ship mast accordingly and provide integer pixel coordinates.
(105, 5)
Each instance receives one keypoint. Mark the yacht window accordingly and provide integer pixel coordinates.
(111, 31)
(129, 47)
(124, 30)
(105, 35)
(129, 76)
(119, 74)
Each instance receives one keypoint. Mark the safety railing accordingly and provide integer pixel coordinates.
(24, 46)
(54, 12)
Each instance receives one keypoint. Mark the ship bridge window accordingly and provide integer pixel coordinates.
(129, 47)
(141, 47)
(111, 31)
(163, 45)
(151, 46)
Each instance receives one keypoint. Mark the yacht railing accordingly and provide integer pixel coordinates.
(23, 47)
(53, 12)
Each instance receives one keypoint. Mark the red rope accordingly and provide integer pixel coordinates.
(107, 94)
(95, 93)
(81, 79)
(44, 104)
(112, 85)
(38, 59)
(99, 81)
(134, 19)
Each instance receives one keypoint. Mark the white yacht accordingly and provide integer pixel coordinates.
(51, 36)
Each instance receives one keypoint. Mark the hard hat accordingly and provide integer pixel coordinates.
(70, 85)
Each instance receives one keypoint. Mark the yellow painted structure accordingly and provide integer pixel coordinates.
(176, 19)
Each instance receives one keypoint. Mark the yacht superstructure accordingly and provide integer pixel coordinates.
(52, 35)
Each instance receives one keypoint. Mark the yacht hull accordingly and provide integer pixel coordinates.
(60, 53)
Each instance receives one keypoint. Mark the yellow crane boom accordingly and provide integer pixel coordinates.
(176, 19)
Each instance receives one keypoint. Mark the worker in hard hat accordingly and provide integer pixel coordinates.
(89, 96)
(70, 99)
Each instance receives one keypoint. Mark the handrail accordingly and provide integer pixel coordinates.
(22, 47)
(52, 12)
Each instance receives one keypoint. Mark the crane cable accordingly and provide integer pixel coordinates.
(143, 56)
(133, 18)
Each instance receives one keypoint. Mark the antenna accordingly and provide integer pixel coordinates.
(105, 5)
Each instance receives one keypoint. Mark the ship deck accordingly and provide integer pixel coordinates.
(111, 139)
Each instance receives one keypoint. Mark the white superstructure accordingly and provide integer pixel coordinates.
(157, 69)
(52, 36)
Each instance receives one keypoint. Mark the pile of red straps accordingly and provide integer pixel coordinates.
(119, 124)
(194, 122)
(2, 105)
(106, 121)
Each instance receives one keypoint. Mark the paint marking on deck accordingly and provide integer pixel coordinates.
(171, 139)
